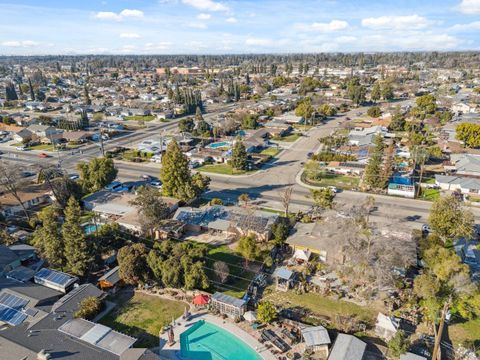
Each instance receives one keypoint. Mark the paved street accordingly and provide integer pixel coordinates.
(266, 186)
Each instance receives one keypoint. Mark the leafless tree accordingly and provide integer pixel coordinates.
(286, 197)
(221, 271)
(11, 182)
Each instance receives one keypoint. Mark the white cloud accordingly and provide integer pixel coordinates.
(203, 16)
(231, 20)
(470, 7)
(126, 13)
(258, 42)
(20, 44)
(206, 5)
(411, 22)
(197, 25)
(131, 13)
(130, 36)
(334, 25)
(107, 15)
(473, 26)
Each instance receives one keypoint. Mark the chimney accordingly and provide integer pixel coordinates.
(43, 355)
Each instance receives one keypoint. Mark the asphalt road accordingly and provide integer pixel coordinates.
(266, 185)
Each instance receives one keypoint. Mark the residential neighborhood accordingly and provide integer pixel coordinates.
(251, 205)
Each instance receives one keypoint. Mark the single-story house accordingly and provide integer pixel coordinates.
(231, 220)
(115, 206)
(76, 136)
(346, 168)
(8, 260)
(169, 229)
(42, 131)
(30, 196)
(466, 164)
(23, 135)
(466, 185)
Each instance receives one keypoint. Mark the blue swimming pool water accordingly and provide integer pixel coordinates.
(218, 145)
(205, 341)
(90, 228)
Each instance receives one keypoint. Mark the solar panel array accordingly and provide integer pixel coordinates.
(11, 307)
(53, 276)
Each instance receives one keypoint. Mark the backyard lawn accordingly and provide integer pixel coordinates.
(321, 306)
(324, 179)
(224, 169)
(143, 317)
(235, 285)
(466, 332)
(139, 118)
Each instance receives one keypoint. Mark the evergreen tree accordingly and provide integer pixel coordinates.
(10, 92)
(88, 101)
(372, 176)
(176, 177)
(387, 91)
(32, 93)
(76, 248)
(376, 92)
(47, 238)
(239, 155)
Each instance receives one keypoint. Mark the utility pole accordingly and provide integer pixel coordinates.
(437, 351)
(102, 149)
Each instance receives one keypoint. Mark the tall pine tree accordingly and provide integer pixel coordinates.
(77, 253)
(48, 238)
(239, 155)
(177, 180)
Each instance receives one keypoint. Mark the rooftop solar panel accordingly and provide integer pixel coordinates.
(12, 301)
(11, 316)
(54, 276)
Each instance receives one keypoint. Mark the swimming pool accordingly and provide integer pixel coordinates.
(90, 228)
(217, 145)
(205, 341)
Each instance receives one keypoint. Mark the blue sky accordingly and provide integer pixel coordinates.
(236, 26)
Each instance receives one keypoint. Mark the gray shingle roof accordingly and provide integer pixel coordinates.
(315, 335)
(347, 347)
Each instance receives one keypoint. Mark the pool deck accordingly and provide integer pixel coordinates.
(169, 352)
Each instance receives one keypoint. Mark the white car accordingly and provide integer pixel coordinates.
(21, 148)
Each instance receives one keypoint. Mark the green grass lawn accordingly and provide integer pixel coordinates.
(143, 316)
(140, 118)
(224, 169)
(430, 194)
(234, 286)
(289, 138)
(321, 306)
(272, 151)
(324, 179)
(466, 332)
(45, 147)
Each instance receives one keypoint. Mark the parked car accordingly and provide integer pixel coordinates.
(21, 148)
(309, 155)
(74, 176)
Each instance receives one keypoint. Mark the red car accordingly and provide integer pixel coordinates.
(43, 155)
